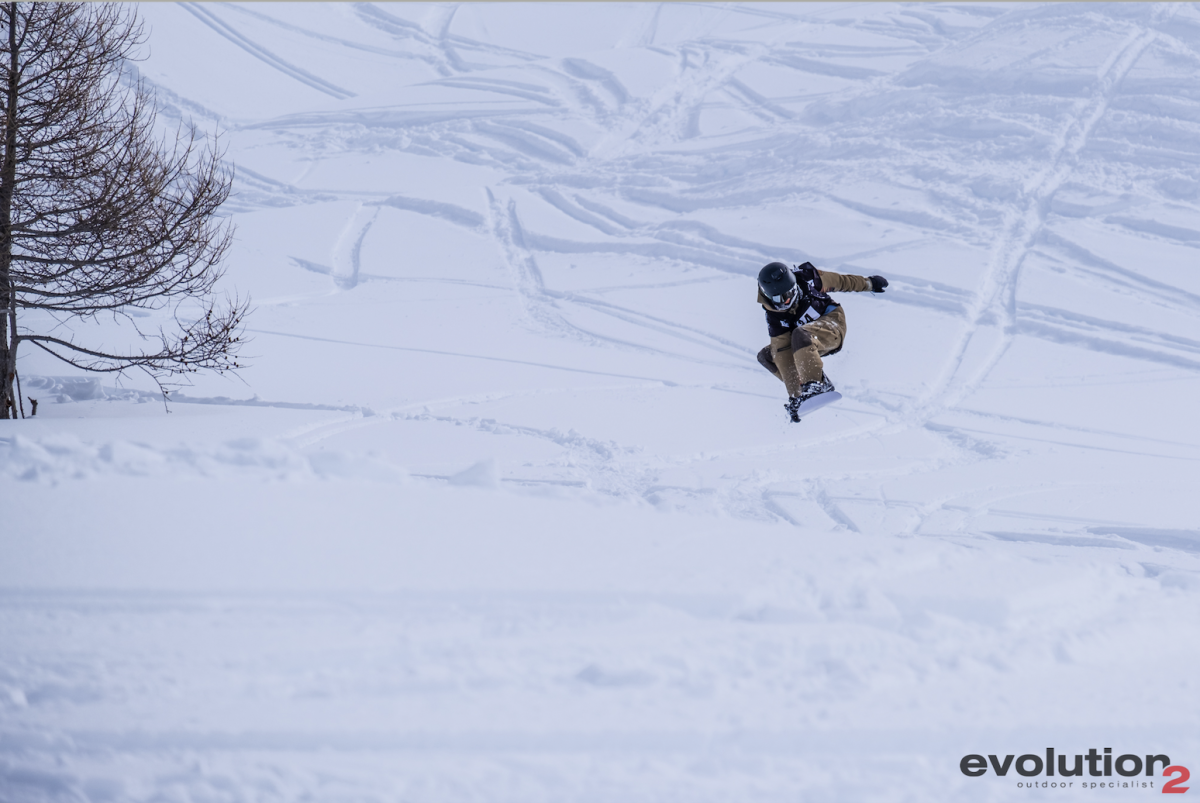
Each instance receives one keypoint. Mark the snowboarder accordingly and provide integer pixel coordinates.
(805, 324)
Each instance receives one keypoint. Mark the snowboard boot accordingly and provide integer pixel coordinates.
(810, 389)
(807, 391)
(793, 409)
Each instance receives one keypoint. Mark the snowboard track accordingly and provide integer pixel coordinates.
(655, 212)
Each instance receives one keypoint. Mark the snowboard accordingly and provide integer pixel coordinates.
(817, 402)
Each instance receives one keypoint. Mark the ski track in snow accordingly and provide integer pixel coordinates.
(346, 256)
(997, 295)
(213, 21)
(576, 179)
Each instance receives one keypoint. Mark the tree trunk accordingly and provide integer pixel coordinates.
(8, 179)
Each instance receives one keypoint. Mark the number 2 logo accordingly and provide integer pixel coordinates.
(1172, 787)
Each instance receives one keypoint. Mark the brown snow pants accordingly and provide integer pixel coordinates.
(795, 356)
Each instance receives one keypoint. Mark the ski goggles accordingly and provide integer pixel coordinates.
(786, 300)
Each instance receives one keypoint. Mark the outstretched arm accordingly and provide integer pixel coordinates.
(849, 283)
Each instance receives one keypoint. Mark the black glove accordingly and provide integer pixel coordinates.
(877, 283)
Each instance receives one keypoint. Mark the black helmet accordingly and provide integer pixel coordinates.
(778, 285)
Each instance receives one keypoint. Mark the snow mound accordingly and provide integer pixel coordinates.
(57, 458)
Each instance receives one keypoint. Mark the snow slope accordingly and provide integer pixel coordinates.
(505, 510)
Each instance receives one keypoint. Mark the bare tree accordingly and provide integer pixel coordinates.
(98, 215)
